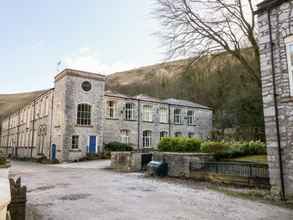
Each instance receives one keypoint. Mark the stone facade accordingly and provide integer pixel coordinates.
(77, 117)
(275, 27)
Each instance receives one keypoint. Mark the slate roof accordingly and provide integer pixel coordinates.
(183, 102)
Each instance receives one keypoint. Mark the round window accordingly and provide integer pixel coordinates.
(86, 86)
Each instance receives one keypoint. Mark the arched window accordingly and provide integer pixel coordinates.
(124, 136)
(163, 134)
(129, 111)
(84, 114)
(147, 138)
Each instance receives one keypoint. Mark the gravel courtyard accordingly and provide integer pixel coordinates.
(88, 191)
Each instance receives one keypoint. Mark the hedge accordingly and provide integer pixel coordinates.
(117, 146)
(179, 144)
(221, 149)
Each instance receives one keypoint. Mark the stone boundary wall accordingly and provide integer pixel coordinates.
(126, 161)
(179, 163)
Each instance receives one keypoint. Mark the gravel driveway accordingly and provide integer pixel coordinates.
(88, 191)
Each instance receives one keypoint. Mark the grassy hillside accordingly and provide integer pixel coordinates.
(11, 102)
(217, 81)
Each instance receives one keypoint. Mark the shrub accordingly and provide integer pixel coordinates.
(224, 150)
(117, 146)
(179, 144)
(213, 147)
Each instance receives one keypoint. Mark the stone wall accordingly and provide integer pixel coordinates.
(179, 163)
(282, 27)
(126, 161)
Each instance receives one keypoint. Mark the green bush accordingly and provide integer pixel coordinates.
(224, 150)
(214, 147)
(117, 146)
(179, 144)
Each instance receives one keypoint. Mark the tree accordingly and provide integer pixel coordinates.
(201, 27)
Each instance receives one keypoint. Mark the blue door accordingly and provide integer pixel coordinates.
(92, 145)
(53, 153)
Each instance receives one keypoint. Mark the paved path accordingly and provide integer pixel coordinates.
(88, 191)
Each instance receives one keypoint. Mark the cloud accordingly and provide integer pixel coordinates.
(87, 59)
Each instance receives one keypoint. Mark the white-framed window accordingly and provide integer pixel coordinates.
(129, 111)
(74, 143)
(84, 114)
(111, 111)
(190, 114)
(147, 138)
(124, 138)
(178, 134)
(147, 113)
(163, 134)
(178, 116)
(289, 49)
(164, 115)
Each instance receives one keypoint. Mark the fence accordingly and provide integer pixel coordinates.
(251, 172)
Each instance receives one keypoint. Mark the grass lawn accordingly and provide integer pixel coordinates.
(253, 158)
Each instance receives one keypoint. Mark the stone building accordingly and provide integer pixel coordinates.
(78, 116)
(275, 35)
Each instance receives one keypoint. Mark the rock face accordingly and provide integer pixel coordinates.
(277, 16)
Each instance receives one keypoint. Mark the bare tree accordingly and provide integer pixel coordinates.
(200, 27)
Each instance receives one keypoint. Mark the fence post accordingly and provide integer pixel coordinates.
(18, 200)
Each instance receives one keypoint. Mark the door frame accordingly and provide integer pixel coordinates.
(88, 142)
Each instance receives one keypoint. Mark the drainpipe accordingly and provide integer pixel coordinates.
(8, 133)
(17, 134)
(52, 108)
(276, 109)
(169, 119)
(33, 127)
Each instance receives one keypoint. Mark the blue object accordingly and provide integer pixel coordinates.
(92, 147)
(53, 153)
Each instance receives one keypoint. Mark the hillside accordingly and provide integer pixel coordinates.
(11, 102)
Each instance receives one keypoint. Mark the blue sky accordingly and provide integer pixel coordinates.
(94, 35)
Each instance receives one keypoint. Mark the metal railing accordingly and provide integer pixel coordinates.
(254, 170)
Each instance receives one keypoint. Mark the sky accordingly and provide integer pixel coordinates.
(91, 35)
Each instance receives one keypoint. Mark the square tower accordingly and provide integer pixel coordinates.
(78, 114)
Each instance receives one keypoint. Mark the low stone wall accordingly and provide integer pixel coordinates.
(5, 196)
(126, 161)
(179, 163)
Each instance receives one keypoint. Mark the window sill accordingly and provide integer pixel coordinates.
(148, 121)
(75, 150)
(129, 119)
(84, 126)
(165, 123)
(107, 118)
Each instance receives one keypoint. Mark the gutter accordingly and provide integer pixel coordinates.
(276, 109)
